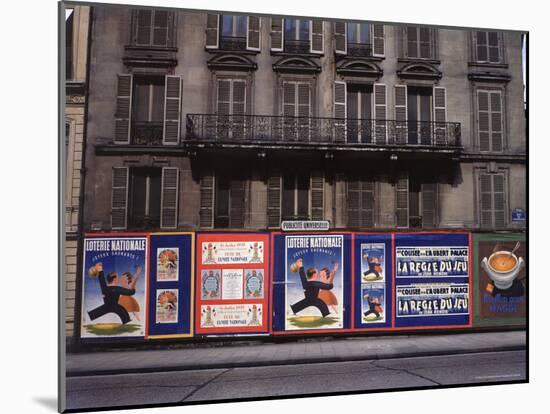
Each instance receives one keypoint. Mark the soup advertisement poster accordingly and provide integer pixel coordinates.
(314, 271)
(114, 287)
(432, 279)
(232, 282)
(502, 279)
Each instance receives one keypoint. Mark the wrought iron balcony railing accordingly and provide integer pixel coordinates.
(359, 49)
(147, 133)
(297, 46)
(230, 43)
(308, 130)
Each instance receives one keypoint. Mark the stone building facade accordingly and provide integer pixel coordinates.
(205, 121)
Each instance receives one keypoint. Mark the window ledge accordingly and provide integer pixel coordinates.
(342, 56)
(488, 65)
(233, 51)
(426, 60)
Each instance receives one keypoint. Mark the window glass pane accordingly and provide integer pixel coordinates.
(155, 195)
(352, 32)
(227, 25)
(222, 202)
(137, 212)
(287, 207)
(304, 29)
(303, 196)
(158, 102)
(240, 26)
(290, 29)
(141, 102)
(365, 33)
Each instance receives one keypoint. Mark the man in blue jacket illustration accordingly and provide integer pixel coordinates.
(311, 287)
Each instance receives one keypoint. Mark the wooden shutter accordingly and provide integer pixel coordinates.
(172, 110)
(238, 97)
(207, 200)
(274, 200)
(486, 199)
(499, 201)
(316, 38)
(143, 21)
(402, 201)
(429, 204)
(483, 120)
(353, 200)
(340, 110)
(237, 203)
(212, 27)
(493, 47)
(277, 34)
(341, 38)
(123, 109)
(289, 98)
(119, 198)
(378, 46)
(412, 41)
(304, 110)
(400, 92)
(440, 115)
(360, 204)
(161, 20)
(425, 42)
(380, 113)
(317, 195)
(169, 198)
(495, 101)
(480, 44)
(253, 33)
(223, 103)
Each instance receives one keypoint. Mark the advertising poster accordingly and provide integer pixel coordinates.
(232, 296)
(500, 278)
(167, 306)
(372, 280)
(432, 279)
(114, 284)
(171, 285)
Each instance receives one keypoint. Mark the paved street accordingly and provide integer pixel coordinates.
(286, 380)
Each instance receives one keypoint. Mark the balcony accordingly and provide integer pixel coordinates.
(359, 50)
(232, 44)
(280, 131)
(297, 47)
(147, 133)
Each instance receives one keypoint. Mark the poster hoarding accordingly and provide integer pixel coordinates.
(114, 286)
(432, 280)
(232, 280)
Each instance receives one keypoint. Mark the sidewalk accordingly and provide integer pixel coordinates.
(336, 350)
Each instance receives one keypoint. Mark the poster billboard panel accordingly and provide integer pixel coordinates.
(372, 280)
(114, 286)
(232, 283)
(171, 285)
(432, 279)
(312, 282)
(500, 279)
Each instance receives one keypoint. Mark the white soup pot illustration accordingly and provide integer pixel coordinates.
(503, 279)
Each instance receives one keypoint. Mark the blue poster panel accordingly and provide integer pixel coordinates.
(372, 280)
(312, 285)
(114, 285)
(170, 285)
(432, 279)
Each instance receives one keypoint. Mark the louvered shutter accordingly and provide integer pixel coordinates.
(401, 114)
(440, 115)
(425, 42)
(143, 27)
(481, 46)
(380, 113)
(316, 43)
(172, 110)
(483, 120)
(353, 204)
(289, 110)
(253, 33)
(493, 47)
(123, 109)
(378, 44)
(317, 195)
(412, 41)
(277, 34)
(486, 200)
(429, 204)
(402, 201)
(160, 27)
(495, 101)
(207, 200)
(499, 201)
(274, 200)
(237, 203)
(223, 107)
(340, 38)
(238, 108)
(304, 111)
(169, 198)
(340, 111)
(212, 27)
(119, 198)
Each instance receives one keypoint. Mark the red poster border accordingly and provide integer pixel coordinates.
(229, 236)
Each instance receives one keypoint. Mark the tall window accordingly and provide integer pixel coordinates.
(416, 202)
(359, 113)
(490, 120)
(232, 32)
(69, 14)
(152, 28)
(419, 115)
(148, 109)
(359, 39)
(297, 110)
(222, 199)
(487, 47)
(144, 197)
(295, 197)
(296, 36)
(419, 42)
(492, 199)
(360, 203)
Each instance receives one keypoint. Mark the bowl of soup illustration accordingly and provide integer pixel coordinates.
(502, 267)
